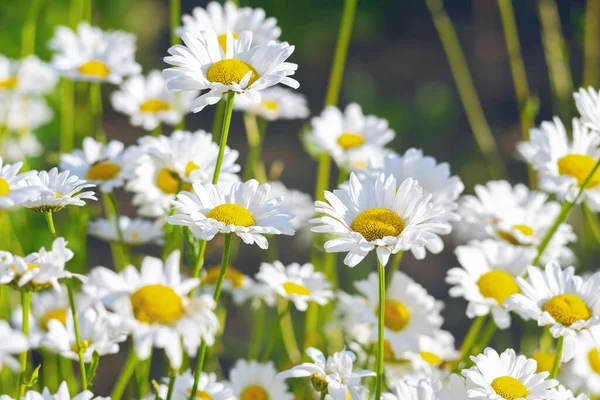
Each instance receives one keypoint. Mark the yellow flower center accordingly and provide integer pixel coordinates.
(169, 182)
(294, 288)
(190, 167)
(58, 314)
(567, 308)
(498, 285)
(254, 392)
(510, 238)
(349, 140)
(201, 394)
(430, 358)
(156, 304)
(9, 83)
(232, 214)
(377, 223)
(388, 352)
(84, 345)
(545, 361)
(396, 316)
(579, 166)
(270, 105)
(231, 274)
(154, 106)
(103, 171)
(135, 235)
(223, 40)
(594, 360)
(509, 388)
(94, 68)
(4, 187)
(231, 70)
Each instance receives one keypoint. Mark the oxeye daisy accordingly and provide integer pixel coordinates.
(506, 376)
(251, 380)
(61, 394)
(276, 103)
(171, 164)
(90, 54)
(560, 299)
(201, 64)
(13, 343)
(247, 211)
(375, 213)
(422, 389)
(227, 18)
(14, 190)
(106, 165)
(20, 113)
(148, 103)
(154, 307)
(584, 371)
(29, 76)
(588, 105)
(209, 388)
(564, 164)
(235, 282)
(487, 275)
(136, 231)
(434, 352)
(297, 283)
(16, 147)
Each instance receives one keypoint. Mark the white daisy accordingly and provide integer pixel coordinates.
(91, 54)
(61, 394)
(374, 214)
(562, 300)
(434, 352)
(171, 164)
(29, 76)
(11, 343)
(209, 388)
(136, 231)
(297, 283)
(422, 389)
(235, 282)
(148, 102)
(243, 69)
(106, 165)
(368, 156)
(347, 317)
(276, 103)
(588, 105)
(562, 393)
(456, 389)
(20, 113)
(155, 308)
(248, 211)
(16, 147)
(506, 376)
(564, 164)
(584, 371)
(253, 380)
(487, 275)
(229, 19)
(299, 203)
(14, 190)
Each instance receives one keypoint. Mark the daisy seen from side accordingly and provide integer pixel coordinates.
(136, 231)
(14, 190)
(276, 103)
(30, 76)
(251, 380)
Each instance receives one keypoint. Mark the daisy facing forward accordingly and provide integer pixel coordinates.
(208, 388)
(14, 190)
(252, 380)
(30, 76)
(374, 213)
(136, 231)
(276, 103)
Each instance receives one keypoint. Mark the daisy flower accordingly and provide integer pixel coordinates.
(584, 371)
(91, 54)
(297, 283)
(560, 299)
(16, 147)
(227, 18)
(136, 231)
(208, 388)
(422, 389)
(153, 305)
(235, 282)
(299, 203)
(588, 105)
(276, 103)
(20, 113)
(171, 164)
(376, 213)
(434, 352)
(245, 211)
(14, 190)
(202, 64)
(105, 165)
(29, 76)
(253, 380)
(486, 277)
(333, 374)
(507, 376)
(562, 393)
(564, 164)
(13, 343)
(347, 317)
(61, 394)
(148, 103)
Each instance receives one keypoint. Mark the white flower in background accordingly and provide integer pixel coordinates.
(235, 282)
(247, 211)
(61, 394)
(13, 186)
(91, 54)
(422, 389)
(584, 371)
(517, 216)
(170, 164)
(564, 164)
(29, 76)
(364, 158)
(588, 105)
(342, 133)
(456, 389)
(148, 102)
(559, 298)
(378, 214)
(209, 388)
(487, 275)
(334, 374)
(201, 64)
(13, 343)
(433, 353)
(17, 147)
(299, 203)
(24, 114)
(506, 376)
(297, 283)
(155, 308)
(253, 380)
(347, 317)
(136, 231)
(276, 103)
(58, 191)
(106, 165)
(562, 393)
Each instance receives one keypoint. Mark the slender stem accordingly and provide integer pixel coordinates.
(323, 395)
(217, 120)
(67, 115)
(380, 331)
(50, 222)
(273, 338)
(143, 375)
(258, 322)
(224, 134)
(96, 112)
(287, 333)
(172, 376)
(28, 33)
(394, 267)
(592, 222)
(485, 336)
(469, 340)
(125, 376)
(117, 217)
(77, 335)
(65, 366)
(174, 16)
(156, 132)
(557, 357)
(254, 166)
(591, 47)
(199, 264)
(25, 309)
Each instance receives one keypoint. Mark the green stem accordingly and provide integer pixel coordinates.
(394, 267)
(273, 338)
(592, 222)
(254, 165)
(217, 120)
(380, 332)
(287, 333)
(125, 376)
(557, 357)
(172, 376)
(174, 16)
(67, 115)
(117, 216)
(96, 112)
(591, 47)
(258, 322)
(50, 222)
(65, 367)
(25, 310)
(323, 395)
(28, 33)
(143, 375)
(199, 263)
(469, 340)
(77, 335)
(486, 336)
(156, 132)
(224, 134)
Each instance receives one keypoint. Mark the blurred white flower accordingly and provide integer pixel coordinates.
(254, 380)
(276, 103)
(136, 231)
(30, 76)
(14, 190)
(13, 343)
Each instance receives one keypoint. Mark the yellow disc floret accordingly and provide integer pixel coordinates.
(103, 171)
(396, 316)
(223, 40)
(231, 70)
(169, 182)
(94, 68)
(201, 394)
(295, 288)
(594, 360)
(510, 238)
(232, 214)
(567, 308)
(498, 285)
(4, 187)
(579, 166)
(9, 83)
(270, 105)
(349, 140)
(59, 314)
(377, 223)
(254, 392)
(509, 388)
(545, 361)
(191, 167)
(156, 304)
(154, 106)
(231, 274)
(431, 358)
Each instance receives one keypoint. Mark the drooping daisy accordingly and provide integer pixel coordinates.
(562, 164)
(243, 69)
(248, 211)
(14, 190)
(171, 164)
(153, 305)
(276, 103)
(106, 165)
(61, 394)
(20, 113)
(251, 380)
(422, 389)
(29, 76)
(90, 54)
(136, 231)
(487, 275)
(584, 371)
(229, 19)
(17, 147)
(333, 374)
(560, 299)
(588, 105)
(378, 214)
(299, 203)
(235, 282)
(297, 283)
(13, 343)
(209, 388)
(506, 376)
(148, 103)
(342, 133)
